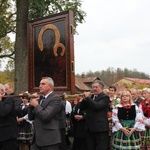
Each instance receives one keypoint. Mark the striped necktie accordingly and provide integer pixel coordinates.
(94, 97)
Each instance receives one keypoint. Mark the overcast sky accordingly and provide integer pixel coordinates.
(116, 33)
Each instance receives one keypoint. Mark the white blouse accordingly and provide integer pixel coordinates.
(139, 123)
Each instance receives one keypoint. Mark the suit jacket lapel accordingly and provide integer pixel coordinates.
(98, 97)
(46, 101)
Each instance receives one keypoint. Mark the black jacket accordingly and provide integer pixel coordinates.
(79, 126)
(96, 112)
(8, 121)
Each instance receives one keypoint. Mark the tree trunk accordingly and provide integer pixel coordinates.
(21, 57)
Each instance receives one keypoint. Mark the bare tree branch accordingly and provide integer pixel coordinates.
(8, 55)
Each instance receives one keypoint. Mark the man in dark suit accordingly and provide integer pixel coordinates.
(97, 126)
(9, 90)
(45, 114)
(135, 96)
(8, 122)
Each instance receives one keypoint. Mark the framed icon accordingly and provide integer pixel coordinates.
(51, 52)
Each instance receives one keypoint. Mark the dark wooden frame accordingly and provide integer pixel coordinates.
(64, 23)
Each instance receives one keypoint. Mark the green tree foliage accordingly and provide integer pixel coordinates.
(7, 17)
(7, 76)
(7, 25)
(44, 8)
(7, 49)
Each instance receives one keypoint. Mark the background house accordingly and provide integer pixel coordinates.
(132, 83)
(83, 84)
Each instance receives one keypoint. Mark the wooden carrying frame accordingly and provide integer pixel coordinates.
(51, 52)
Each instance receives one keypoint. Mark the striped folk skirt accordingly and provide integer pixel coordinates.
(145, 135)
(122, 142)
(25, 132)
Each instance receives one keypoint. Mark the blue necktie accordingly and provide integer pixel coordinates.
(42, 100)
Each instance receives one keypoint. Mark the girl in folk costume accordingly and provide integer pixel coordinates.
(25, 131)
(145, 106)
(127, 124)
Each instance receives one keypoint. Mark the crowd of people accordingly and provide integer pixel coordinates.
(102, 120)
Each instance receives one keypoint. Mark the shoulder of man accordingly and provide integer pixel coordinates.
(103, 95)
(54, 94)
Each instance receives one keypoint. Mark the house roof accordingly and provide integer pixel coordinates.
(82, 82)
(138, 80)
(89, 79)
(79, 83)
